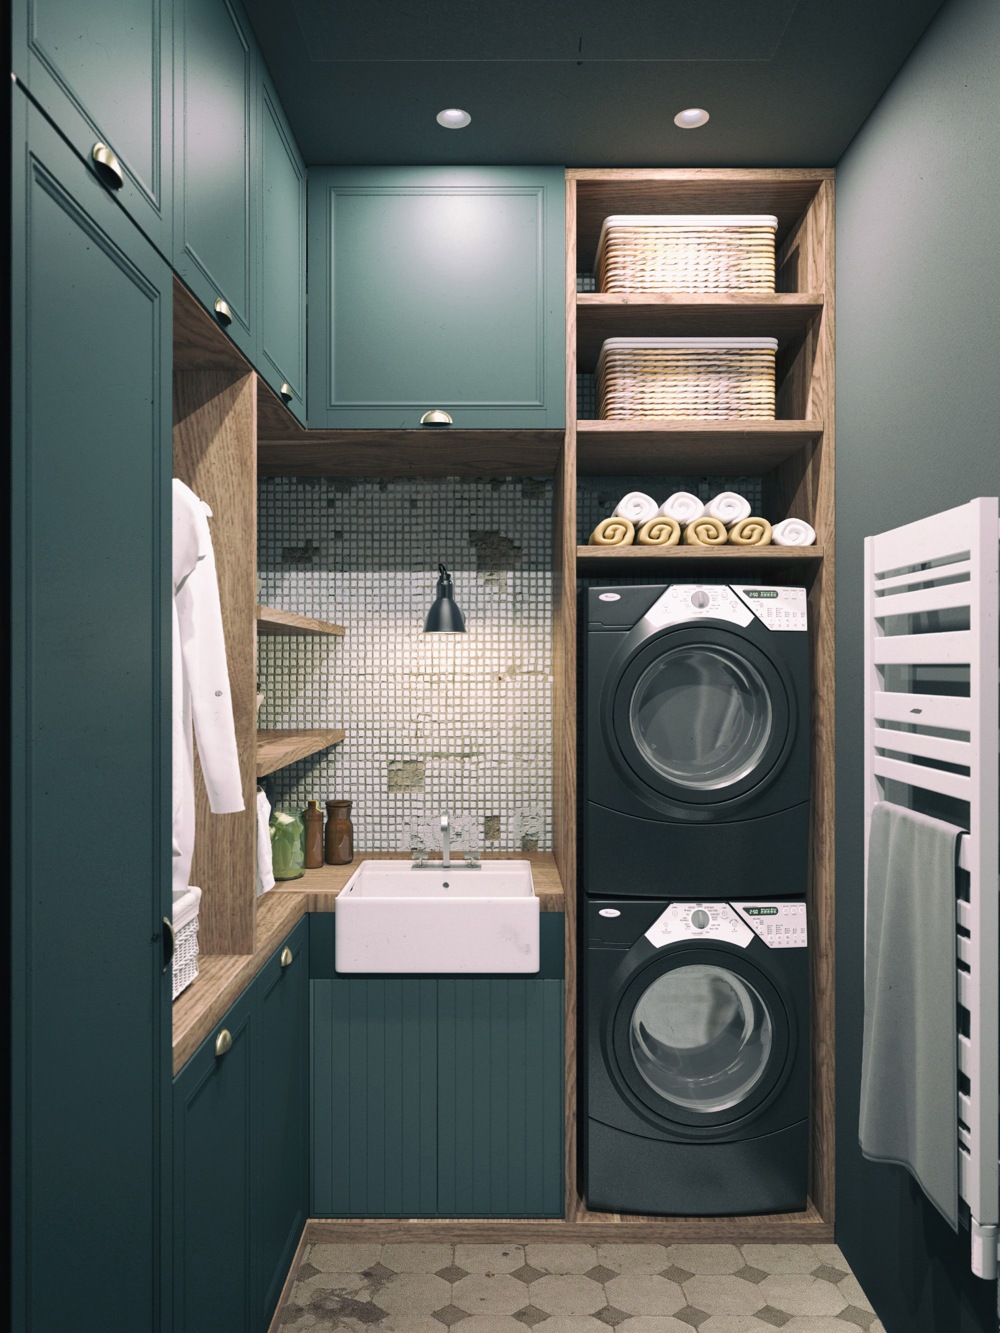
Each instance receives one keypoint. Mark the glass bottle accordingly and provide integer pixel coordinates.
(287, 844)
(339, 833)
(312, 818)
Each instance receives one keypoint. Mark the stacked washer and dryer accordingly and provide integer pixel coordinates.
(694, 847)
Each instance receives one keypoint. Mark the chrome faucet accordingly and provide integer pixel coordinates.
(445, 842)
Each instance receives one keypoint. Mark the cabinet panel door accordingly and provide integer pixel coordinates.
(282, 358)
(90, 745)
(282, 1102)
(437, 288)
(215, 152)
(102, 70)
(214, 1198)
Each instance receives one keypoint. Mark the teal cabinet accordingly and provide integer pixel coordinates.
(437, 1096)
(102, 70)
(90, 748)
(281, 1100)
(214, 1157)
(216, 126)
(240, 1152)
(282, 188)
(437, 288)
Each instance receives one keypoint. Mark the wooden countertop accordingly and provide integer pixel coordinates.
(223, 977)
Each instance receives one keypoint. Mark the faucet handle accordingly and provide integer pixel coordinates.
(471, 859)
(418, 857)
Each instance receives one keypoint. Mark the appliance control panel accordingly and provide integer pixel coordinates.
(779, 925)
(697, 601)
(777, 608)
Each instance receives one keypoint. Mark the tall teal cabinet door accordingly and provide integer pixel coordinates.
(214, 1197)
(282, 187)
(216, 112)
(282, 1101)
(90, 757)
(437, 288)
(102, 70)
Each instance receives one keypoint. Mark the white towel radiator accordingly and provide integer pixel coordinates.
(932, 680)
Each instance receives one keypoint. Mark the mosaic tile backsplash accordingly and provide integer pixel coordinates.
(435, 723)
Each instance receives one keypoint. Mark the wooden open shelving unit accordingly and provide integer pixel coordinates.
(277, 749)
(223, 410)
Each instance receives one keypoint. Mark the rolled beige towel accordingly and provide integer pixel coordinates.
(751, 532)
(613, 531)
(705, 531)
(659, 532)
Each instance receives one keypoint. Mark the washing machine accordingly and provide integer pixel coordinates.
(695, 1056)
(696, 741)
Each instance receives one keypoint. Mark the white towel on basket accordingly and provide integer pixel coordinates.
(793, 532)
(728, 508)
(637, 507)
(682, 506)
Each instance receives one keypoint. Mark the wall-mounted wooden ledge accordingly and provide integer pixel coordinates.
(674, 446)
(274, 622)
(223, 977)
(426, 452)
(276, 749)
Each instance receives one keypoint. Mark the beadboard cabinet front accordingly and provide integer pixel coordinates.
(101, 69)
(437, 288)
(216, 118)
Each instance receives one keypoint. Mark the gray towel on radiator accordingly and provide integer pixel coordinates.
(909, 1069)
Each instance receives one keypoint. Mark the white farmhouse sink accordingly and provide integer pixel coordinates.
(393, 916)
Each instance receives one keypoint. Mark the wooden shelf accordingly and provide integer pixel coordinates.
(723, 560)
(446, 452)
(275, 749)
(674, 447)
(271, 621)
(782, 315)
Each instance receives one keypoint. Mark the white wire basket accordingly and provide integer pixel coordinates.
(185, 962)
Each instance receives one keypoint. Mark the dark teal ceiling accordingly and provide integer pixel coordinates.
(582, 83)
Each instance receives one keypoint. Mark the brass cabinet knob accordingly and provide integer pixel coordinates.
(169, 942)
(223, 1042)
(286, 392)
(287, 957)
(222, 310)
(107, 166)
(436, 417)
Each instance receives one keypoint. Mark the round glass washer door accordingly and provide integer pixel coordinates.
(701, 1038)
(701, 716)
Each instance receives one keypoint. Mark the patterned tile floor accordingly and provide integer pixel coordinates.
(575, 1288)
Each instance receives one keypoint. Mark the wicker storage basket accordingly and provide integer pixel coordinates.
(185, 963)
(709, 378)
(687, 253)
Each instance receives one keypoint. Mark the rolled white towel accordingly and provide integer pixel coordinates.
(682, 507)
(637, 507)
(793, 532)
(728, 508)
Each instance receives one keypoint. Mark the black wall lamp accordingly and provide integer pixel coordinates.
(444, 617)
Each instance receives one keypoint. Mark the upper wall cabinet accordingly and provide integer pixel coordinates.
(216, 115)
(282, 191)
(101, 70)
(437, 288)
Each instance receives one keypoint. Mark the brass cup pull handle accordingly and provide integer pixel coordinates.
(169, 942)
(107, 166)
(287, 957)
(286, 392)
(436, 417)
(222, 310)
(223, 1042)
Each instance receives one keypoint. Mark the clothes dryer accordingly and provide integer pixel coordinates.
(695, 1057)
(696, 741)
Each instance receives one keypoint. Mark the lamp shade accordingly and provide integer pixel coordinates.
(444, 617)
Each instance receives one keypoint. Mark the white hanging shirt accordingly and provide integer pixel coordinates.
(202, 699)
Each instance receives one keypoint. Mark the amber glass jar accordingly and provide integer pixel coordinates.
(312, 818)
(339, 833)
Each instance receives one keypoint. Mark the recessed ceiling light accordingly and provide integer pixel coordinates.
(453, 119)
(691, 119)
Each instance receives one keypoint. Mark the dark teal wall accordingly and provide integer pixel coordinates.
(918, 430)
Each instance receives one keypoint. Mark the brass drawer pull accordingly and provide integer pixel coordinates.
(287, 957)
(436, 417)
(286, 392)
(222, 310)
(223, 1042)
(107, 166)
